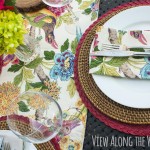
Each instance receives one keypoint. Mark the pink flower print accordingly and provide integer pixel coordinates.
(1, 4)
(1, 63)
(139, 36)
(93, 57)
(95, 7)
(96, 41)
(57, 11)
(10, 58)
(54, 1)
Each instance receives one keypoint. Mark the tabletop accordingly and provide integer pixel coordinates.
(52, 71)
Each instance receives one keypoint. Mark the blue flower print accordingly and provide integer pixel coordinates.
(145, 72)
(94, 7)
(70, 147)
(64, 115)
(78, 33)
(63, 67)
(55, 72)
(147, 59)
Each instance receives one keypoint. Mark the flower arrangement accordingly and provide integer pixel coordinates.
(12, 29)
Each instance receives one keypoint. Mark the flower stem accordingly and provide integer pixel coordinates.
(80, 112)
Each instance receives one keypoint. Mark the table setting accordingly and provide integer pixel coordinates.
(104, 125)
(69, 68)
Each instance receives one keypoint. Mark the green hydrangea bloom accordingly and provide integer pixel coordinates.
(12, 30)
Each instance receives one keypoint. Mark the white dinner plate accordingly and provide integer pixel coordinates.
(15, 142)
(128, 92)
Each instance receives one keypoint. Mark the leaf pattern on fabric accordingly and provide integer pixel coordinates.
(74, 45)
(107, 70)
(23, 107)
(96, 62)
(15, 68)
(92, 10)
(85, 4)
(65, 18)
(49, 55)
(117, 61)
(18, 78)
(34, 63)
(71, 88)
(87, 11)
(10, 3)
(79, 1)
(65, 46)
(27, 74)
(121, 34)
(94, 15)
(59, 22)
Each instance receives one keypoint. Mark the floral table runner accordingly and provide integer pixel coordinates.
(52, 71)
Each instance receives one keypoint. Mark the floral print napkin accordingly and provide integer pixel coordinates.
(131, 67)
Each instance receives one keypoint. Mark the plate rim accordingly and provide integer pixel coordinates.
(121, 98)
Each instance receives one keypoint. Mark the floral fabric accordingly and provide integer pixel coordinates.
(131, 67)
(52, 71)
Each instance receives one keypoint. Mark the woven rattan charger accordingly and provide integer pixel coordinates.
(98, 99)
(51, 145)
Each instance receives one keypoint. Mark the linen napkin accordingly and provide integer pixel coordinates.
(131, 67)
(15, 142)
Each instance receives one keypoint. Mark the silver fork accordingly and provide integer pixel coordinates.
(106, 46)
(7, 146)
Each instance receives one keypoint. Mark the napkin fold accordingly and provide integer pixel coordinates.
(131, 67)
